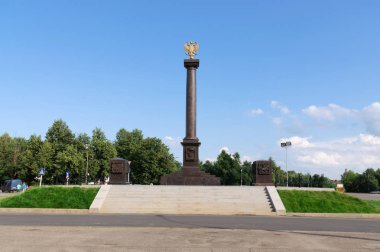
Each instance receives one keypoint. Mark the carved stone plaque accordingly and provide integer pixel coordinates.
(263, 172)
(264, 168)
(117, 168)
(190, 153)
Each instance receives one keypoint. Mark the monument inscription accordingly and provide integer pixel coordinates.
(117, 168)
(264, 168)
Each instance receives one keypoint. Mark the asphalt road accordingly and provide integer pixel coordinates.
(365, 196)
(180, 221)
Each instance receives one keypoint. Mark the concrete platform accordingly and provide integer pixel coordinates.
(217, 200)
(149, 239)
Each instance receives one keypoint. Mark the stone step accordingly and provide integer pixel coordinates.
(247, 210)
(186, 200)
(198, 194)
(175, 203)
(197, 212)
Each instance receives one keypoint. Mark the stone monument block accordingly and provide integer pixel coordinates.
(119, 169)
(263, 171)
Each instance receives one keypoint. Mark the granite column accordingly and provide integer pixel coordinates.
(191, 142)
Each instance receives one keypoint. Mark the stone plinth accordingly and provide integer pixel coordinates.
(119, 169)
(263, 171)
(190, 176)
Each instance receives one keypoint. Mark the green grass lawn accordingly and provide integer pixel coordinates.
(52, 197)
(325, 202)
(374, 203)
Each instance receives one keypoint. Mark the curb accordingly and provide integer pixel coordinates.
(87, 212)
(276, 201)
(99, 199)
(336, 215)
(43, 211)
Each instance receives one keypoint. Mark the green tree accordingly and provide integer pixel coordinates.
(60, 136)
(83, 145)
(103, 150)
(127, 142)
(377, 176)
(306, 179)
(6, 153)
(227, 167)
(12, 158)
(350, 181)
(368, 181)
(293, 178)
(31, 160)
(365, 182)
(315, 180)
(81, 141)
(69, 160)
(278, 175)
(45, 160)
(149, 156)
(247, 173)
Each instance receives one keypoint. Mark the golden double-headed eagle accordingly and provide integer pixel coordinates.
(191, 48)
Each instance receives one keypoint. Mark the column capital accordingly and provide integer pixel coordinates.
(191, 63)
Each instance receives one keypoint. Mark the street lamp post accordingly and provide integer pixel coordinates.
(286, 145)
(241, 176)
(129, 169)
(86, 146)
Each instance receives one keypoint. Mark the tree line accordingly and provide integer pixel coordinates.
(364, 182)
(62, 151)
(232, 171)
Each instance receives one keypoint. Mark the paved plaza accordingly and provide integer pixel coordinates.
(80, 238)
(37, 232)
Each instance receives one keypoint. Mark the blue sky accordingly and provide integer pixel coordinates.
(306, 71)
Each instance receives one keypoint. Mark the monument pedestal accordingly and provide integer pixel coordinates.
(190, 176)
(263, 171)
(190, 173)
(119, 169)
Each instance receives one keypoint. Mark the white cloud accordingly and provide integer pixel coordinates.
(332, 157)
(277, 105)
(277, 121)
(298, 142)
(273, 104)
(330, 112)
(321, 158)
(172, 142)
(371, 118)
(284, 110)
(224, 149)
(168, 138)
(246, 158)
(369, 139)
(255, 112)
(212, 160)
(368, 116)
(227, 150)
